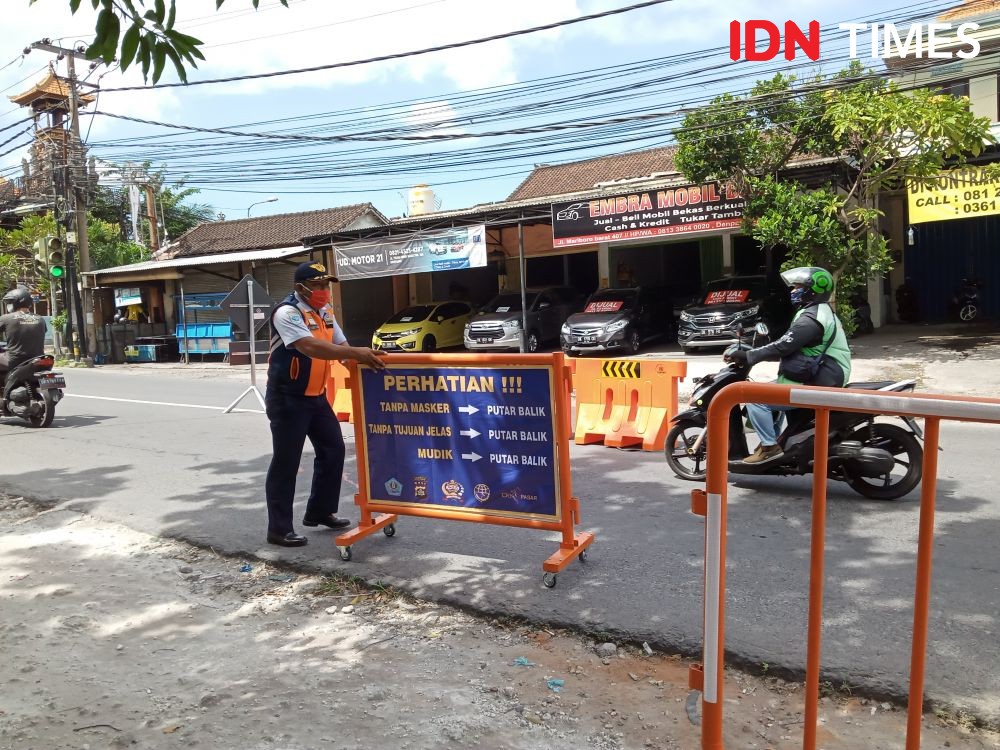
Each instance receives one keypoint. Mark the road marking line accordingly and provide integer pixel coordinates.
(159, 403)
(713, 563)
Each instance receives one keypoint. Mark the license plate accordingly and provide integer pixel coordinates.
(586, 339)
(388, 345)
(53, 381)
(486, 341)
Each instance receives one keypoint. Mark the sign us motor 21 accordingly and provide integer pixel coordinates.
(467, 439)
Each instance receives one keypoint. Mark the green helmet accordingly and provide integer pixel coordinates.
(815, 284)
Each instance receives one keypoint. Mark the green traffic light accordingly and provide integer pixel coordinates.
(56, 272)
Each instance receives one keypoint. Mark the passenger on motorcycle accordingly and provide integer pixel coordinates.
(814, 351)
(23, 331)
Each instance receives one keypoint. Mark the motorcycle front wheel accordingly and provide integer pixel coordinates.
(908, 456)
(48, 411)
(680, 453)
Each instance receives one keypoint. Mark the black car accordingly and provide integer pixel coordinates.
(731, 307)
(618, 319)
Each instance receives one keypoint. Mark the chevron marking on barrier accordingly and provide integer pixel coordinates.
(615, 368)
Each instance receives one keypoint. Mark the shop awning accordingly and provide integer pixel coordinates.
(159, 270)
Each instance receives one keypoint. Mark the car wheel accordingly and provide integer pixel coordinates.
(429, 344)
(634, 342)
(531, 342)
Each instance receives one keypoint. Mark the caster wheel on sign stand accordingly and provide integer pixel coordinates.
(583, 555)
(389, 530)
(549, 580)
(345, 553)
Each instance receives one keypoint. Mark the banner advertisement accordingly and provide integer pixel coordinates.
(125, 297)
(956, 194)
(472, 439)
(650, 214)
(420, 252)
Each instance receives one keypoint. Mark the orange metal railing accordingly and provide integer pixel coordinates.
(711, 503)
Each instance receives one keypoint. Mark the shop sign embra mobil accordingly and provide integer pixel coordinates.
(956, 194)
(649, 214)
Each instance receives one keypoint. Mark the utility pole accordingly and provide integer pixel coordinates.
(154, 230)
(77, 172)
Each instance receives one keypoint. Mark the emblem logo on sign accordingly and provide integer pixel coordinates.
(420, 488)
(394, 487)
(452, 490)
(481, 492)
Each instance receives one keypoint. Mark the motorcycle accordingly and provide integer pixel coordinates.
(966, 300)
(862, 315)
(31, 390)
(879, 460)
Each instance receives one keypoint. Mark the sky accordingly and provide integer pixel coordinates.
(676, 50)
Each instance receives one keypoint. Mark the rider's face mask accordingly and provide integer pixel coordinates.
(798, 295)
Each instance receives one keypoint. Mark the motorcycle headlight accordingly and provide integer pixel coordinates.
(616, 326)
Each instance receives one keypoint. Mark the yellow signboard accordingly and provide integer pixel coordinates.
(957, 194)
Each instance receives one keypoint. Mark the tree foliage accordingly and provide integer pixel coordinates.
(143, 32)
(875, 137)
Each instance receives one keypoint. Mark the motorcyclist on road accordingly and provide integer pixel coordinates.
(816, 336)
(23, 331)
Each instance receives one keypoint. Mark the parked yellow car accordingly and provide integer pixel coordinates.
(423, 328)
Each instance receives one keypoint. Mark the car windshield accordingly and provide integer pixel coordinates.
(611, 300)
(508, 303)
(412, 314)
(738, 289)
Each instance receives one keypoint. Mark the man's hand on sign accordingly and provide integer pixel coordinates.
(366, 356)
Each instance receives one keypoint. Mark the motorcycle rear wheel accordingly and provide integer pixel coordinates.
(48, 414)
(680, 441)
(906, 450)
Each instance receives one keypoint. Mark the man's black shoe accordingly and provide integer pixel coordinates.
(331, 522)
(291, 539)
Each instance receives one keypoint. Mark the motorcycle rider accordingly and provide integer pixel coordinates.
(815, 332)
(22, 329)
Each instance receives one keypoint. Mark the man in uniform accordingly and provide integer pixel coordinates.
(815, 334)
(306, 338)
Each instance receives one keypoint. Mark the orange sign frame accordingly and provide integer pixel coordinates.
(382, 515)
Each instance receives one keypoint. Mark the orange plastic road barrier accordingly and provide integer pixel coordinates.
(626, 402)
(338, 392)
(381, 513)
(711, 503)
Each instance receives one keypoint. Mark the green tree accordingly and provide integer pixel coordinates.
(149, 37)
(17, 247)
(107, 247)
(880, 137)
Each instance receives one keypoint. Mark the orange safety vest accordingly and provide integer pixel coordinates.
(289, 370)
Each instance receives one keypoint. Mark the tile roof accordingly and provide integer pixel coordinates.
(50, 86)
(266, 232)
(559, 179)
(970, 9)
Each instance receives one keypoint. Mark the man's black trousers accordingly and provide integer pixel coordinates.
(293, 419)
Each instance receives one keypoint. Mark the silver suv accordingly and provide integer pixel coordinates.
(498, 324)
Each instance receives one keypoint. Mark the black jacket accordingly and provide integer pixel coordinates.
(806, 331)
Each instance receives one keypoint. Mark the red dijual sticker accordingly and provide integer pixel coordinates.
(727, 296)
(604, 306)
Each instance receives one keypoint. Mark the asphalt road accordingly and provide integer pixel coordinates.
(192, 473)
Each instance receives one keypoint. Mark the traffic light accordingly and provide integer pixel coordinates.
(39, 262)
(54, 257)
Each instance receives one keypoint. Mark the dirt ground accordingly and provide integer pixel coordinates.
(114, 639)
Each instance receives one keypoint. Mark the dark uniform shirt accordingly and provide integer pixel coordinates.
(24, 333)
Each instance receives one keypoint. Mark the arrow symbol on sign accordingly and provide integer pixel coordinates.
(471, 457)
(468, 409)
(470, 433)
